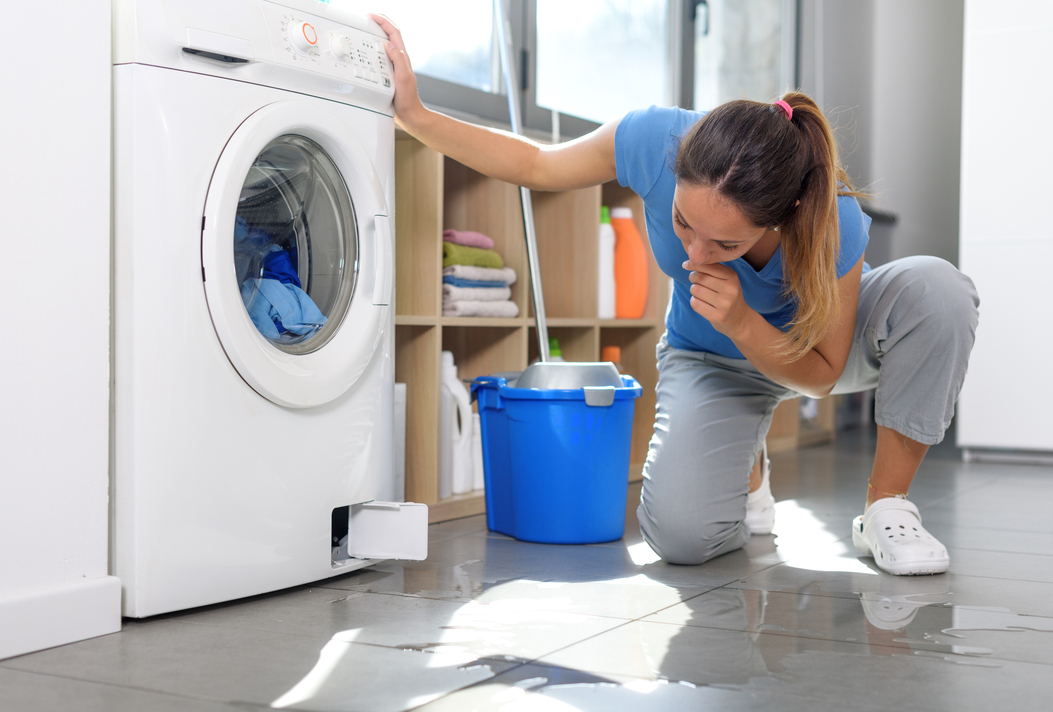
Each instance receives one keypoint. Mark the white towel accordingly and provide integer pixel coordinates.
(452, 293)
(481, 274)
(506, 310)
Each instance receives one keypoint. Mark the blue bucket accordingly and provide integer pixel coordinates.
(556, 462)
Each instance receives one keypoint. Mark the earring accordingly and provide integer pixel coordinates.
(775, 229)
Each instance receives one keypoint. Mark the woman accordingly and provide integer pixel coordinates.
(751, 214)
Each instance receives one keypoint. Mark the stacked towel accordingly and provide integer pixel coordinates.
(506, 310)
(505, 276)
(475, 281)
(468, 238)
(484, 293)
(454, 254)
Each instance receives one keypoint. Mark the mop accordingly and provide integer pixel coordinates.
(546, 374)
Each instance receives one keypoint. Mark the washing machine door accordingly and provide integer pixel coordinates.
(296, 254)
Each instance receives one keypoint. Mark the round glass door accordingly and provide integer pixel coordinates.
(295, 245)
(295, 272)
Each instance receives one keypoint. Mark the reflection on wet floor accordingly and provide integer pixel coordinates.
(794, 621)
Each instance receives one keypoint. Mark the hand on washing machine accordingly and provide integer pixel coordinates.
(408, 105)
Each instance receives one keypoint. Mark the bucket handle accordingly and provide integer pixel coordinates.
(599, 396)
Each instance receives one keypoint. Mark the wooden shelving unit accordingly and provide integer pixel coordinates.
(433, 193)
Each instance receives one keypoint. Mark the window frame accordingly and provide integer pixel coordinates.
(478, 105)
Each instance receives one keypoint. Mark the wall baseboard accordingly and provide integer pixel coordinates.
(40, 618)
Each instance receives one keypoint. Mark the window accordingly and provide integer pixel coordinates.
(743, 49)
(453, 42)
(599, 59)
(589, 61)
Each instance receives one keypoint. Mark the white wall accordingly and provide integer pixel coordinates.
(1007, 234)
(917, 102)
(888, 74)
(54, 485)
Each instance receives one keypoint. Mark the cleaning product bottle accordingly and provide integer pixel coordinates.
(630, 266)
(606, 262)
(614, 355)
(457, 434)
(554, 351)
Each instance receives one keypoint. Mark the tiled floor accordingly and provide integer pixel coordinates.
(794, 621)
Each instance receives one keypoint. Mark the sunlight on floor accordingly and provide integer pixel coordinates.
(820, 549)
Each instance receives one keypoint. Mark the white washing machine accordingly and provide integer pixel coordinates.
(253, 301)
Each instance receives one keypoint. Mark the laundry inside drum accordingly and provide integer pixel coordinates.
(295, 245)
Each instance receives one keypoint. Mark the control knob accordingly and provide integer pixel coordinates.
(341, 48)
(304, 37)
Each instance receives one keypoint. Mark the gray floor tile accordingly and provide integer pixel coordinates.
(1000, 564)
(794, 621)
(892, 674)
(1015, 542)
(1033, 598)
(996, 507)
(542, 687)
(230, 664)
(456, 527)
(33, 692)
(890, 621)
(471, 567)
(482, 627)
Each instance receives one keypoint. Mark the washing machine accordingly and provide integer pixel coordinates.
(253, 312)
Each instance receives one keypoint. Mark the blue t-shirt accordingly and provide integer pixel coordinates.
(645, 146)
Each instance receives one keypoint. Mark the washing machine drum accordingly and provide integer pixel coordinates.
(296, 254)
(295, 245)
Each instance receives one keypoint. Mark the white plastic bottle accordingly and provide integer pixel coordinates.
(478, 470)
(606, 263)
(460, 427)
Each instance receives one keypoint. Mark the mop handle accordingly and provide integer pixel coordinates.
(504, 33)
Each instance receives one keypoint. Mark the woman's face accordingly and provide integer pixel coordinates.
(710, 227)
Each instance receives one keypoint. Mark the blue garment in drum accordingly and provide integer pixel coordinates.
(278, 265)
(275, 308)
(246, 238)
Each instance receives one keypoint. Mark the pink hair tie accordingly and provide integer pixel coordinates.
(785, 107)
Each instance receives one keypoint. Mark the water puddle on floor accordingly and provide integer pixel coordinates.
(538, 695)
(946, 631)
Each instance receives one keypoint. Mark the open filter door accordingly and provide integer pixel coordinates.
(388, 530)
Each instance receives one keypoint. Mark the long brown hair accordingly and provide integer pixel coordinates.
(763, 163)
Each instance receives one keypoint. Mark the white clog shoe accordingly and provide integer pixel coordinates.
(891, 532)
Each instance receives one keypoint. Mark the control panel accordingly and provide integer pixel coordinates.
(326, 47)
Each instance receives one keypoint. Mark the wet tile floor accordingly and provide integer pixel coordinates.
(795, 621)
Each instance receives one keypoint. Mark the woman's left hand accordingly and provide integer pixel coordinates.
(716, 295)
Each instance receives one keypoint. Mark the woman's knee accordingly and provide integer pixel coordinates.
(689, 539)
(939, 294)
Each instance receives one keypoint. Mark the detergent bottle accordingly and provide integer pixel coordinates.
(606, 264)
(614, 355)
(456, 431)
(630, 266)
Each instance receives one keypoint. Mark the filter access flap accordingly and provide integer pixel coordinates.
(388, 530)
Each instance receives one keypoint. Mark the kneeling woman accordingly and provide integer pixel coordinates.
(751, 214)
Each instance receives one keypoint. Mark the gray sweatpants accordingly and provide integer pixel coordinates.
(914, 331)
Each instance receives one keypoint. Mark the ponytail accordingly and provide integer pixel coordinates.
(778, 163)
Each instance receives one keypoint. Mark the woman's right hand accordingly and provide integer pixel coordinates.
(407, 103)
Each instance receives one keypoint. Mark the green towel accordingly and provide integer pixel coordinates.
(454, 254)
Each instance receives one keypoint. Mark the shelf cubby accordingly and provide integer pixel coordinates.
(433, 193)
